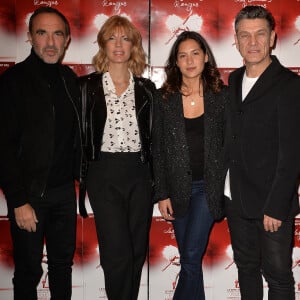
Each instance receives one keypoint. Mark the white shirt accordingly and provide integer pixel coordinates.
(247, 84)
(121, 132)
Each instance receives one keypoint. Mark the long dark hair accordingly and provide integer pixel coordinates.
(211, 77)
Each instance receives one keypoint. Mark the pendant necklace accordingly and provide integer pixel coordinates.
(193, 102)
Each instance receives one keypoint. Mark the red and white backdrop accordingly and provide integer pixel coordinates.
(159, 22)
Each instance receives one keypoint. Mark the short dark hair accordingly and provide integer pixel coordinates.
(254, 12)
(49, 10)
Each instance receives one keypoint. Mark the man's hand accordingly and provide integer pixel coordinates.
(271, 224)
(26, 218)
(166, 210)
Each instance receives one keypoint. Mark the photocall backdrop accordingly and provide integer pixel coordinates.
(159, 22)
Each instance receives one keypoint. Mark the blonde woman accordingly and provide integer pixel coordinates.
(117, 126)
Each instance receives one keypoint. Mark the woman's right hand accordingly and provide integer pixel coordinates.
(166, 210)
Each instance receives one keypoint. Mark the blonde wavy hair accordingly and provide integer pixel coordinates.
(137, 60)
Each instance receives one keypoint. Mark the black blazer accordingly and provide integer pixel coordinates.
(263, 143)
(172, 171)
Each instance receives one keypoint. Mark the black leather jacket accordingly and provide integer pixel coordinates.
(94, 117)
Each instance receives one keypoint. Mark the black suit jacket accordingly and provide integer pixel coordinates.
(172, 171)
(263, 143)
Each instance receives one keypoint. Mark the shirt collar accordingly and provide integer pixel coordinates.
(108, 84)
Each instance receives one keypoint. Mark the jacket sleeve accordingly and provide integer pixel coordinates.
(158, 151)
(84, 163)
(285, 183)
(72, 88)
(11, 179)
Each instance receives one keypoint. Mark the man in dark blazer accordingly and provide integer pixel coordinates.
(262, 146)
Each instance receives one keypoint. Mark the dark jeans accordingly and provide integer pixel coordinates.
(258, 252)
(192, 233)
(119, 188)
(56, 214)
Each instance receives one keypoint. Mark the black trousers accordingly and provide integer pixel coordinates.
(119, 189)
(258, 252)
(56, 214)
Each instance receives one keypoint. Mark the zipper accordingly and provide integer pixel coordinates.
(78, 123)
(92, 130)
(150, 119)
(44, 187)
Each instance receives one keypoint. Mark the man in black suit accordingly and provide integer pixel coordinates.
(263, 147)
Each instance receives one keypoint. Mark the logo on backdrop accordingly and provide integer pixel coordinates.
(188, 5)
(45, 3)
(262, 3)
(117, 5)
(176, 24)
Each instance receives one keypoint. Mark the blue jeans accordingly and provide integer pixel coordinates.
(192, 233)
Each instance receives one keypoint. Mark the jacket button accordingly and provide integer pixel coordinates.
(240, 112)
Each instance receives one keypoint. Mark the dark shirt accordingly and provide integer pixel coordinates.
(61, 170)
(195, 139)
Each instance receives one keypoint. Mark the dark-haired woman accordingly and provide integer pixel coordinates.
(187, 151)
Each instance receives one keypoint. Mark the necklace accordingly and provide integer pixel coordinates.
(193, 102)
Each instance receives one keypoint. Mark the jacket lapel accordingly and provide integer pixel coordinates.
(209, 118)
(236, 87)
(265, 82)
(140, 99)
